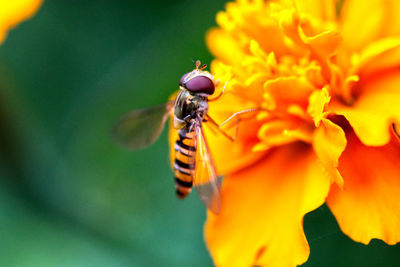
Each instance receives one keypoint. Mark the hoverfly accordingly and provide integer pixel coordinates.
(193, 164)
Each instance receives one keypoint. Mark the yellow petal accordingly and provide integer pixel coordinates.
(230, 156)
(379, 56)
(329, 142)
(263, 207)
(323, 44)
(15, 11)
(392, 24)
(363, 21)
(323, 10)
(317, 102)
(368, 206)
(280, 132)
(374, 110)
(289, 90)
(224, 46)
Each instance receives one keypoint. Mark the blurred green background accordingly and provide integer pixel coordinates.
(68, 195)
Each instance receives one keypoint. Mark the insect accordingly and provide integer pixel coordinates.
(193, 164)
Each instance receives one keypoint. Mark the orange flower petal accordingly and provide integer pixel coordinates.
(317, 102)
(263, 207)
(329, 142)
(323, 10)
(15, 11)
(377, 57)
(368, 206)
(224, 46)
(323, 44)
(281, 132)
(375, 110)
(231, 156)
(378, 18)
(392, 25)
(288, 90)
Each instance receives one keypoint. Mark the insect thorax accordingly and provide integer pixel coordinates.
(189, 107)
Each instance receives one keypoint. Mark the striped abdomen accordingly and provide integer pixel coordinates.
(184, 166)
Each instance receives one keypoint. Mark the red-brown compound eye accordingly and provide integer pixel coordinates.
(183, 79)
(200, 84)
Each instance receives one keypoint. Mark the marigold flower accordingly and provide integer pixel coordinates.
(325, 77)
(13, 12)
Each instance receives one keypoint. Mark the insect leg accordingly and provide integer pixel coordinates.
(218, 128)
(236, 114)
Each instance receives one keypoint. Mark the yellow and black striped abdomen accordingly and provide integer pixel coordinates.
(184, 165)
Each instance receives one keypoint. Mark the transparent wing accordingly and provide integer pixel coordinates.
(206, 180)
(142, 127)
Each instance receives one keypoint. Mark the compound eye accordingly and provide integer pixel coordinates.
(183, 78)
(200, 84)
